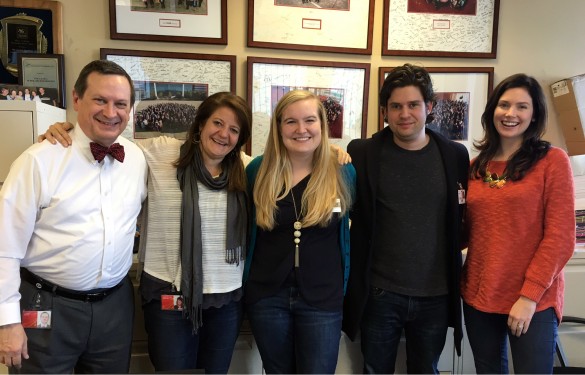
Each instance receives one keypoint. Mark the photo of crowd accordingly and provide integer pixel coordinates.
(26, 93)
(451, 115)
(164, 107)
(332, 100)
(319, 4)
(460, 7)
(198, 7)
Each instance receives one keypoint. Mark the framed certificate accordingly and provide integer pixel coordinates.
(43, 72)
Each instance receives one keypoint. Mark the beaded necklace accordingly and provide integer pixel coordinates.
(494, 180)
(298, 226)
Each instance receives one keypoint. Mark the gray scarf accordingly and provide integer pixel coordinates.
(191, 245)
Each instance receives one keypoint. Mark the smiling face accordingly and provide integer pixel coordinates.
(104, 109)
(406, 113)
(219, 134)
(300, 127)
(513, 114)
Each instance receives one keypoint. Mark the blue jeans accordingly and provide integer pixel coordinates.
(173, 346)
(294, 337)
(532, 352)
(424, 321)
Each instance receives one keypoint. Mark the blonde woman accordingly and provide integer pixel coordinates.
(298, 260)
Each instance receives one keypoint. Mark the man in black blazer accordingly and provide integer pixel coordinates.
(405, 232)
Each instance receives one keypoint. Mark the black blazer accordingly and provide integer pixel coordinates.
(365, 155)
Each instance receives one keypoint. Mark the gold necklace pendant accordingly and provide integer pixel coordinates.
(494, 180)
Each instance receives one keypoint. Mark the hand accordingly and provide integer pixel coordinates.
(13, 345)
(342, 156)
(58, 132)
(521, 315)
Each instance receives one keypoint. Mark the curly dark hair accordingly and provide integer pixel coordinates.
(408, 75)
(533, 147)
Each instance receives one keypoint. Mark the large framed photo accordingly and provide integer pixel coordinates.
(441, 28)
(42, 78)
(342, 88)
(28, 26)
(312, 25)
(170, 86)
(189, 21)
(461, 95)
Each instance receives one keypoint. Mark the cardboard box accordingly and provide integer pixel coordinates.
(569, 102)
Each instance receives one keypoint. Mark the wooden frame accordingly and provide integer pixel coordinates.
(182, 79)
(471, 86)
(306, 27)
(46, 71)
(168, 25)
(39, 9)
(343, 87)
(424, 28)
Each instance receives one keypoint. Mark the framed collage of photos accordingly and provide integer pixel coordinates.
(440, 28)
(342, 88)
(312, 25)
(461, 95)
(169, 87)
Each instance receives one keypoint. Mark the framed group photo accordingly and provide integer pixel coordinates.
(341, 87)
(187, 21)
(42, 75)
(343, 26)
(441, 28)
(461, 96)
(169, 87)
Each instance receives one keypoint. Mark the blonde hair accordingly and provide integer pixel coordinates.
(274, 179)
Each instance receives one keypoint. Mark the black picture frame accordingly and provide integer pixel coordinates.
(46, 71)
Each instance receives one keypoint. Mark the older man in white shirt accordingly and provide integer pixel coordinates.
(67, 223)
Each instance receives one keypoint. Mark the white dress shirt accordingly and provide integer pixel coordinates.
(67, 218)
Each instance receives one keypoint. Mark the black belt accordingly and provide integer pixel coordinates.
(94, 295)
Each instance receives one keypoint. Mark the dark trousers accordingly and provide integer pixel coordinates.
(85, 337)
(532, 352)
(172, 346)
(424, 321)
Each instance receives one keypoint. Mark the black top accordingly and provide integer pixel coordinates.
(319, 276)
(409, 239)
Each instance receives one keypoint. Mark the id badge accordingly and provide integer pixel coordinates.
(39, 319)
(461, 194)
(171, 302)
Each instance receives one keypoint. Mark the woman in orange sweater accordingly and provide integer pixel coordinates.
(521, 224)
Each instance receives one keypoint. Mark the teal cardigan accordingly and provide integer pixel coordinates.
(350, 176)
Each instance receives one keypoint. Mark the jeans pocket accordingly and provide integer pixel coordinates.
(377, 292)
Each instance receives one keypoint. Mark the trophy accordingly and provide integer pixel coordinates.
(20, 34)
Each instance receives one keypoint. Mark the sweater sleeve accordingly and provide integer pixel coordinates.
(558, 242)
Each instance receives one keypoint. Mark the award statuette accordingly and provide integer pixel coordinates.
(20, 34)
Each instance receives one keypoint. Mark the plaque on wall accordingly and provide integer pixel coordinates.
(20, 34)
(27, 26)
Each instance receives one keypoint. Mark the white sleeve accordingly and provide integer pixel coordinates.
(19, 199)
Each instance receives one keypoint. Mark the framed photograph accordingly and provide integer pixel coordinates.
(170, 86)
(28, 26)
(188, 21)
(342, 88)
(461, 95)
(42, 76)
(441, 28)
(343, 26)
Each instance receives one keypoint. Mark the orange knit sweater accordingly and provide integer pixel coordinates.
(521, 236)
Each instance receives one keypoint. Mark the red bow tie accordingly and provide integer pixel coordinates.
(99, 152)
